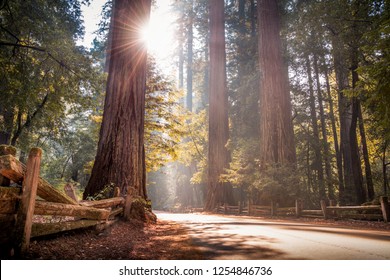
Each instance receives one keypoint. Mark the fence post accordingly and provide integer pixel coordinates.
(249, 207)
(26, 209)
(225, 208)
(385, 208)
(240, 207)
(323, 208)
(6, 150)
(298, 207)
(273, 208)
(128, 201)
(332, 202)
(117, 192)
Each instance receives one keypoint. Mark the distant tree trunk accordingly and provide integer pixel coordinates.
(367, 165)
(181, 66)
(253, 18)
(384, 168)
(206, 85)
(356, 162)
(190, 57)
(339, 161)
(316, 139)
(348, 194)
(218, 115)
(328, 169)
(6, 124)
(120, 155)
(276, 130)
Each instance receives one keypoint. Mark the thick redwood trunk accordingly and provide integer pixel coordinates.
(218, 115)
(276, 129)
(120, 156)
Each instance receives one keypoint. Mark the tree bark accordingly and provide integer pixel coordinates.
(120, 155)
(339, 162)
(356, 162)
(316, 145)
(218, 155)
(367, 165)
(384, 168)
(276, 130)
(325, 145)
(190, 54)
(347, 195)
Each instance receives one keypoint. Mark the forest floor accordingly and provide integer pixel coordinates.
(135, 240)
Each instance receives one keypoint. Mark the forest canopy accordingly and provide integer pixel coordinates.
(334, 71)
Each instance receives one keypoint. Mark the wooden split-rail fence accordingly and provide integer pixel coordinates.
(21, 207)
(379, 212)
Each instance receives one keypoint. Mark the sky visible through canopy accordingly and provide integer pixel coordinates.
(159, 33)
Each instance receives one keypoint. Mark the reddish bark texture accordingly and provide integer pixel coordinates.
(120, 156)
(276, 130)
(218, 116)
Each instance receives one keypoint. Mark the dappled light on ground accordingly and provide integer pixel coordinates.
(221, 237)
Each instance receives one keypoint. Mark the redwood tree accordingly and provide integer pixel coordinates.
(276, 129)
(120, 158)
(218, 116)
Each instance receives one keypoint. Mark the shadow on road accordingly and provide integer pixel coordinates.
(216, 242)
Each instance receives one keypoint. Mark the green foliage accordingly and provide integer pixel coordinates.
(45, 75)
(163, 119)
(193, 149)
(106, 192)
(375, 73)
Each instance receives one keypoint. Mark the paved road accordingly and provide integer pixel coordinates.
(230, 237)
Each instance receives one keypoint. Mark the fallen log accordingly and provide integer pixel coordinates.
(104, 203)
(6, 150)
(14, 170)
(60, 209)
(115, 212)
(39, 229)
(8, 193)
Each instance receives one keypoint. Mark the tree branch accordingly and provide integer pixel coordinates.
(39, 49)
(28, 121)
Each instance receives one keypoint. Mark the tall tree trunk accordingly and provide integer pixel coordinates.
(276, 130)
(6, 124)
(206, 86)
(190, 54)
(384, 168)
(218, 113)
(328, 169)
(181, 66)
(348, 195)
(120, 155)
(339, 161)
(367, 165)
(253, 18)
(316, 139)
(356, 163)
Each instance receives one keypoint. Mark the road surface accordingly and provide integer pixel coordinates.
(232, 237)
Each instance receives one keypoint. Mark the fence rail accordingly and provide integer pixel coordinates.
(366, 212)
(25, 211)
